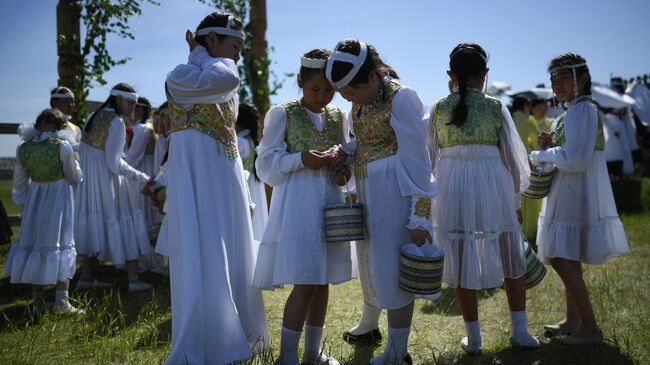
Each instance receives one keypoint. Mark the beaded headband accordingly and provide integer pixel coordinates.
(312, 62)
(62, 92)
(125, 94)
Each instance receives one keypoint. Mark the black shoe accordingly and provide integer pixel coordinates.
(372, 338)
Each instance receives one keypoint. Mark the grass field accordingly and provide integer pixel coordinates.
(123, 328)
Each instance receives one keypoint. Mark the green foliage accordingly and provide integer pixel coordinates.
(100, 19)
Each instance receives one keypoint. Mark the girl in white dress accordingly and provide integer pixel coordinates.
(481, 166)
(44, 252)
(393, 179)
(108, 226)
(140, 155)
(217, 316)
(293, 159)
(247, 141)
(579, 222)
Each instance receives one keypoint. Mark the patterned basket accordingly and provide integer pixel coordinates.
(540, 184)
(420, 275)
(535, 270)
(344, 222)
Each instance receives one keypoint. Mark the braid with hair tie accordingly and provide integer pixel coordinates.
(466, 60)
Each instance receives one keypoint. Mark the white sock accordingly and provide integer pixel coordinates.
(473, 334)
(313, 336)
(396, 348)
(369, 320)
(60, 296)
(289, 346)
(518, 320)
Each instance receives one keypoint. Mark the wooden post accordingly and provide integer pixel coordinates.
(67, 25)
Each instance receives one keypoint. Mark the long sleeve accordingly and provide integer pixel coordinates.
(414, 174)
(274, 162)
(244, 147)
(432, 137)
(580, 129)
(71, 169)
(203, 80)
(513, 154)
(20, 184)
(113, 152)
(141, 138)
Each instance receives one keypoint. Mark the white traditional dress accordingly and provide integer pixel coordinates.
(140, 155)
(44, 252)
(579, 220)
(107, 224)
(394, 182)
(293, 249)
(217, 316)
(246, 147)
(617, 146)
(480, 168)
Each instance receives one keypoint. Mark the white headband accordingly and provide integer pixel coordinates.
(356, 61)
(142, 105)
(222, 30)
(62, 93)
(312, 62)
(556, 69)
(125, 94)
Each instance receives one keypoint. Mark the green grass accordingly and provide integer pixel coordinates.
(122, 328)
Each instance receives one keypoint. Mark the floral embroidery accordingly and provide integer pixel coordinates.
(482, 126)
(423, 208)
(151, 146)
(376, 138)
(96, 136)
(249, 164)
(215, 120)
(41, 160)
(301, 134)
(559, 137)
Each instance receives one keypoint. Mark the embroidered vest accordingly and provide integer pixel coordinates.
(482, 126)
(41, 160)
(214, 120)
(96, 135)
(151, 146)
(76, 132)
(301, 134)
(559, 137)
(249, 162)
(376, 138)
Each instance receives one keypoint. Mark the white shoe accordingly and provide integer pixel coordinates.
(138, 285)
(85, 285)
(473, 349)
(324, 360)
(525, 342)
(65, 308)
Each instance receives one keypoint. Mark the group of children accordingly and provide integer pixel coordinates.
(449, 175)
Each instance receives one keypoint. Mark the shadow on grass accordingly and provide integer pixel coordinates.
(17, 316)
(446, 304)
(550, 353)
(361, 355)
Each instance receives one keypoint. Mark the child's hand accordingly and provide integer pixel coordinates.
(316, 160)
(419, 237)
(341, 175)
(340, 159)
(544, 140)
(189, 38)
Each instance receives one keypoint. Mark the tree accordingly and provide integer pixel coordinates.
(83, 65)
(255, 68)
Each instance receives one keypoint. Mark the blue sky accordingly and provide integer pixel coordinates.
(414, 36)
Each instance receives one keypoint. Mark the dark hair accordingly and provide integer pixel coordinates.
(217, 19)
(58, 90)
(146, 108)
(52, 117)
(465, 60)
(163, 106)
(306, 73)
(248, 118)
(519, 102)
(373, 63)
(569, 59)
(110, 102)
(536, 101)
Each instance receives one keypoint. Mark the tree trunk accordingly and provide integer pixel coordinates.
(68, 15)
(259, 48)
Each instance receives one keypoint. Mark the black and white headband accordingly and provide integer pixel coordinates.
(338, 56)
(62, 92)
(227, 30)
